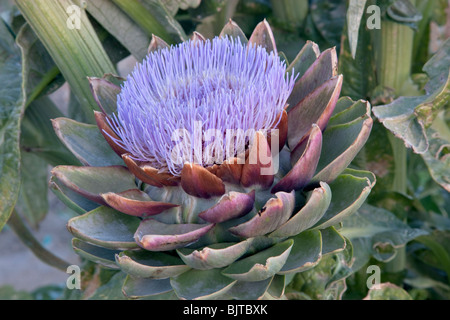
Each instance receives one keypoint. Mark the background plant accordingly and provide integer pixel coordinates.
(402, 69)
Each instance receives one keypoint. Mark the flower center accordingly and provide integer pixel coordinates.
(199, 102)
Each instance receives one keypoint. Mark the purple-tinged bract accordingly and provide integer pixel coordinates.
(214, 87)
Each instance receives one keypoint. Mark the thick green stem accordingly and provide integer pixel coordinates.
(394, 55)
(394, 48)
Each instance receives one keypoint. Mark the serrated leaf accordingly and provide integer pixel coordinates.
(408, 117)
(437, 161)
(380, 229)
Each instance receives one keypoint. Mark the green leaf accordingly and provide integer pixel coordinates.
(105, 227)
(105, 91)
(408, 117)
(110, 290)
(343, 141)
(11, 108)
(121, 26)
(8, 292)
(305, 253)
(32, 203)
(261, 265)
(275, 213)
(355, 13)
(202, 284)
(38, 136)
(157, 236)
(70, 198)
(86, 142)
(439, 244)
(277, 286)
(358, 71)
(99, 255)
(379, 230)
(332, 241)
(244, 290)
(320, 71)
(42, 75)
(349, 191)
(92, 182)
(231, 29)
(321, 282)
(304, 59)
(153, 18)
(437, 161)
(214, 256)
(135, 288)
(329, 19)
(79, 56)
(154, 265)
(316, 205)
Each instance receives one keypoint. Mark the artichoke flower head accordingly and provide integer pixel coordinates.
(216, 169)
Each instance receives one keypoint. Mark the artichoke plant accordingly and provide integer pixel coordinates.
(226, 218)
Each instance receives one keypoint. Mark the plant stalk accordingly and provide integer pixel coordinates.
(394, 49)
(21, 230)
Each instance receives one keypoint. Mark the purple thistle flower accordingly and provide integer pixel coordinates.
(196, 86)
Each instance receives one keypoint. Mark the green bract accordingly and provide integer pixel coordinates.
(225, 231)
